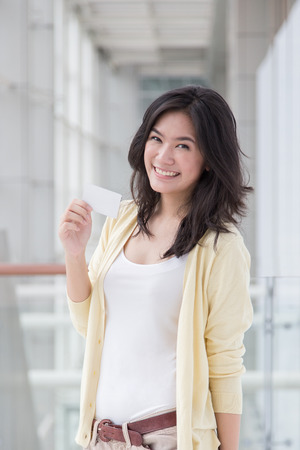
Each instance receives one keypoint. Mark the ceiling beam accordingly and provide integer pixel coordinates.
(157, 34)
(147, 44)
(178, 69)
(198, 3)
(181, 23)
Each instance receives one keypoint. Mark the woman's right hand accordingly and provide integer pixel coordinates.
(75, 227)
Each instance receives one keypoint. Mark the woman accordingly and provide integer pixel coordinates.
(165, 303)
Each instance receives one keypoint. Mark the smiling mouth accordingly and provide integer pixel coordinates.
(166, 173)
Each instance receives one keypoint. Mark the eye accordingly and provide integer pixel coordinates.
(184, 146)
(155, 138)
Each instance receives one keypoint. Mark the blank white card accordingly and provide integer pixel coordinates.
(102, 200)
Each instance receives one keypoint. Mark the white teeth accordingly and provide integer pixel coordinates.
(163, 172)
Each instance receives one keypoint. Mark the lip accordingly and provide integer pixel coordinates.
(168, 174)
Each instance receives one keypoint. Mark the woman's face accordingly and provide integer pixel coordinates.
(172, 157)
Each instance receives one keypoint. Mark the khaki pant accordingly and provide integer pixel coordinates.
(165, 439)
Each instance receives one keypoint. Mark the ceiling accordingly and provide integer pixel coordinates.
(158, 36)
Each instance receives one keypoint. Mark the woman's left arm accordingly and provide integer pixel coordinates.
(229, 316)
(228, 426)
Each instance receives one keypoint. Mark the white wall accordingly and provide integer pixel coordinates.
(96, 114)
(66, 119)
(251, 27)
(247, 42)
(278, 153)
(26, 133)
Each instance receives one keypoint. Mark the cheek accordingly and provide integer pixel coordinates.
(147, 155)
(147, 159)
(196, 169)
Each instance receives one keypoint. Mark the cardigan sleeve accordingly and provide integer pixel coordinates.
(79, 311)
(229, 316)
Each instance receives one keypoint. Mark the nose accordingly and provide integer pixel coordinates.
(165, 155)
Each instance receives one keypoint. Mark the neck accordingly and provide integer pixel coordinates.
(171, 207)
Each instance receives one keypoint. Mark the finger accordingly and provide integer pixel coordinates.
(80, 205)
(67, 227)
(77, 210)
(71, 216)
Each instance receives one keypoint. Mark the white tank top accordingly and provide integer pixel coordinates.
(138, 364)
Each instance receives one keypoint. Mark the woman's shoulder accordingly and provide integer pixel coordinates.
(127, 210)
(127, 206)
(228, 250)
(218, 244)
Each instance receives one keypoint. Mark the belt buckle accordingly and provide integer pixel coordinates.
(101, 431)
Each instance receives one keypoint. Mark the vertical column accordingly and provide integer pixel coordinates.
(252, 26)
(268, 363)
(39, 201)
(248, 37)
(95, 117)
(13, 124)
(278, 116)
(26, 172)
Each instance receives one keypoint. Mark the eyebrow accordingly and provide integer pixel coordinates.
(180, 138)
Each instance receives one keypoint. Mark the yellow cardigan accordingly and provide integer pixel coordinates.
(215, 312)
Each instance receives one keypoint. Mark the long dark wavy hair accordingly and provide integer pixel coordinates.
(218, 199)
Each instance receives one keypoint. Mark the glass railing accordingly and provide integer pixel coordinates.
(41, 360)
(42, 355)
(272, 382)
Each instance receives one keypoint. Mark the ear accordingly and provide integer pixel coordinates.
(207, 168)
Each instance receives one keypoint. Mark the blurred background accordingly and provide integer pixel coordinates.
(75, 79)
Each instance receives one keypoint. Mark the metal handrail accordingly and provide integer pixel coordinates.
(32, 269)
